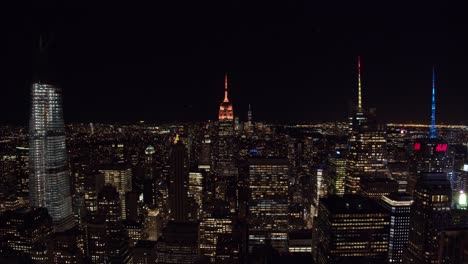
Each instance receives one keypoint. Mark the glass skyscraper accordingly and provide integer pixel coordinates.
(49, 177)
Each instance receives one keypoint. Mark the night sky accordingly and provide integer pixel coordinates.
(291, 61)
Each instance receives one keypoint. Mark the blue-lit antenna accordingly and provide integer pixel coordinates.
(433, 129)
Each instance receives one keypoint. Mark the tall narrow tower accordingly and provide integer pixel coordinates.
(249, 115)
(433, 129)
(49, 175)
(226, 111)
(366, 154)
(178, 182)
(359, 106)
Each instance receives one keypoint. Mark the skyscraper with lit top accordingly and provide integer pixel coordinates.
(429, 154)
(49, 175)
(430, 212)
(367, 144)
(225, 167)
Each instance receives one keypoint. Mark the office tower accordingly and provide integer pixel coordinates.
(195, 193)
(212, 226)
(63, 248)
(429, 154)
(430, 214)
(453, 247)
(352, 229)
(119, 175)
(178, 182)
(106, 237)
(398, 206)
(375, 188)
(300, 242)
(24, 231)
(22, 155)
(319, 189)
(134, 206)
(153, 224)
(144, 252)
(148, 183)
(268, 185)
(178, 243)
(228, 249)
(94, 182)
(205, 161)
(135, 231)
(337, 173)
(49, 175)
(225, 169)
(367, 145)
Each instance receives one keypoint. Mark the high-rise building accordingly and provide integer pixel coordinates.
(225, 166)
(144, 252)
(429, 154)
(432, 193)
(195, 193)
(178, 244)
(178, 182)
(375, 188)
(337, 173)
(49, 175)
(212, 226)
(268, 185)
(399, 207)
(107, 240)
(352, 229)
(367, 145)
(63, 248)
(430, 214)
(453, 247)
(24, 230)
(119, 175)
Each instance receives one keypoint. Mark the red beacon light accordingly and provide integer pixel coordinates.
(417, 146)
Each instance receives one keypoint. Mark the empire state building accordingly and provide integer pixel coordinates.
(225, 163)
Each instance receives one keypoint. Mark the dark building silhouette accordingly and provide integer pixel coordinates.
(107, 241)
(178, 182)
(25, 232)
(430, 214)
(375, 188)
(178, 243)
(453, 245)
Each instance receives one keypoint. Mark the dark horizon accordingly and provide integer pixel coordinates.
(291, 62)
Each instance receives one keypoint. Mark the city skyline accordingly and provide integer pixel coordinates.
(175, 71)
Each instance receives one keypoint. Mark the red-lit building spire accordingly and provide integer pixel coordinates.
(226, 112)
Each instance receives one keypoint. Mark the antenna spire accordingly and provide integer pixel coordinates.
(433, 128)
(359, 108)
(226, 88)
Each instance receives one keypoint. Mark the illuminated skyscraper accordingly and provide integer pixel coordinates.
(399, 207)
(225, 166)
(268, 217)
(212, 226)
(49, 175)
(120, 176)
(352, 229)
(367, 144)
(337, 173)
(429, 154)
